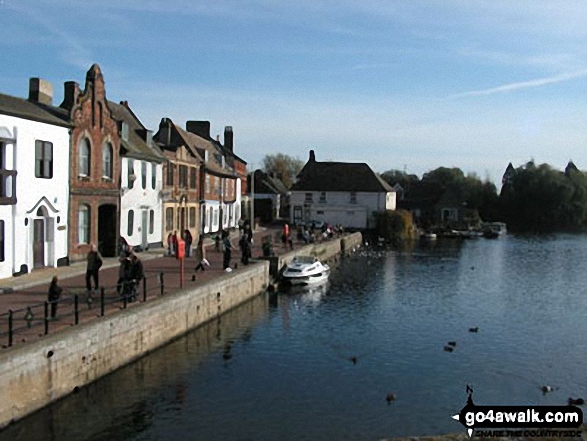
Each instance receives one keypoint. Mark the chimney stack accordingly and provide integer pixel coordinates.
(312, 156)
(41, 91)
(228, 139)
(71, 93)
(200, 128)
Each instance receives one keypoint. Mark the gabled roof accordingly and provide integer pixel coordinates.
(267, 184)
(339, 176)
(21, 108)
(135, 146)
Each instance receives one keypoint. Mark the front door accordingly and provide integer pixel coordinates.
(144, 239)
(38, 243)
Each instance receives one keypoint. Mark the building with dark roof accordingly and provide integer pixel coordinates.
(34, 181)
(271, 196)
(339, 193)
(141, 167)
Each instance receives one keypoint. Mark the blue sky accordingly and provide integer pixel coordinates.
(406, 84)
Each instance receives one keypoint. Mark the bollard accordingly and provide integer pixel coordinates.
(144, 289)
(162, 284)
(102, 301)
(46, 318)
(76, 308)
(10, 327)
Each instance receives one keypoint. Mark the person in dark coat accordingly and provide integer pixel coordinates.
(93, 268)
(187, 237)
(123, 248)
(123, 274)
(227, 251)
(54, 294)
(136, 274)
(174, 240)
(246, 244)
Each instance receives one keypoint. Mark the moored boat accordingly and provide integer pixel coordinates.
(305, 270)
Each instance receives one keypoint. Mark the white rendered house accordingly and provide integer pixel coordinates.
(34, 182)
(339, 193)
(141, 181)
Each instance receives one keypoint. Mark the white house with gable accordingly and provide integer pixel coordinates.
(34, 182)
(342, 193)
(141, 180)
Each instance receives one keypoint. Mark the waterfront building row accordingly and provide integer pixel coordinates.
(88, 171)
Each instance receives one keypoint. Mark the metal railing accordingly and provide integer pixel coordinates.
(75, 304)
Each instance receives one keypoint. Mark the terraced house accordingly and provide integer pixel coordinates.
(94, 181)
(141, 180)
(34, 187)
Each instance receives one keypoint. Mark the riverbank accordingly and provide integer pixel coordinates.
(37, 373)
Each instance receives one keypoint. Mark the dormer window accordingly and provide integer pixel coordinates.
(309, 197)
(322, 196)
(353, 197)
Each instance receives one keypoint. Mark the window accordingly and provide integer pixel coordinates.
(192, 217)
(319, 212)
(183, 176)
(84, 158)
(353, 197)
(83, 224)
(43, 159)
(309, 197)
(131, 173)
(193, 177)
(107, 161)
(131, 219)
(144, 175)
(207, 184)
(2, 241)
(322, 196)
(217, 186)
(170, 173)
(151, 221)
(169, 219)
(153, 176)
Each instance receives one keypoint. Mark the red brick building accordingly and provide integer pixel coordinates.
(94, 202)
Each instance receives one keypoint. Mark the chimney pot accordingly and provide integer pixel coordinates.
(312, 156)
(71, 93)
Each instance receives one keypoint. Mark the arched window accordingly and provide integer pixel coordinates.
(84, 158)
(107, 161)
(83, 224)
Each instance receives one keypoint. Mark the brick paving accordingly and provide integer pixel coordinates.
(30, 290)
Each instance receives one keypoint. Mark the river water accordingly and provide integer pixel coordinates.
(280, 367)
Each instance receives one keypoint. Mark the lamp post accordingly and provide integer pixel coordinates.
(252, 202)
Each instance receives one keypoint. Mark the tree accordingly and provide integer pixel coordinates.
(283, 167)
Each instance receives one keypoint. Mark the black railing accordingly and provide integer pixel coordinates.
(75, 304)
(8, 187)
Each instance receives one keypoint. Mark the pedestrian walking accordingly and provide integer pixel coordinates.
(188, 239)
(200, 254)
(136, 274)
(285, 236)
(54, 294)
(170, 251)
(123, 275)
(174, 241)
(246, 243)
(93, 268)
(227, 251)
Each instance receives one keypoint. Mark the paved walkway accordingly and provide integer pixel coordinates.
(26, 295)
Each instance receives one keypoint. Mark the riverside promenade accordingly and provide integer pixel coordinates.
(26, 295)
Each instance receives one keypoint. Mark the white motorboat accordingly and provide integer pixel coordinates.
(305, 270)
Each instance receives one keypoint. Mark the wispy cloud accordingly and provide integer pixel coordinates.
(512, 87)
(74, 53)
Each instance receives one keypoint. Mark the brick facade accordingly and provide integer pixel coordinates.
(93, 123)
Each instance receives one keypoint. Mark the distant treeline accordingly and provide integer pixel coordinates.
(533, 198)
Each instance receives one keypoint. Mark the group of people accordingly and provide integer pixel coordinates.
(130, 271)
(172, 243)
